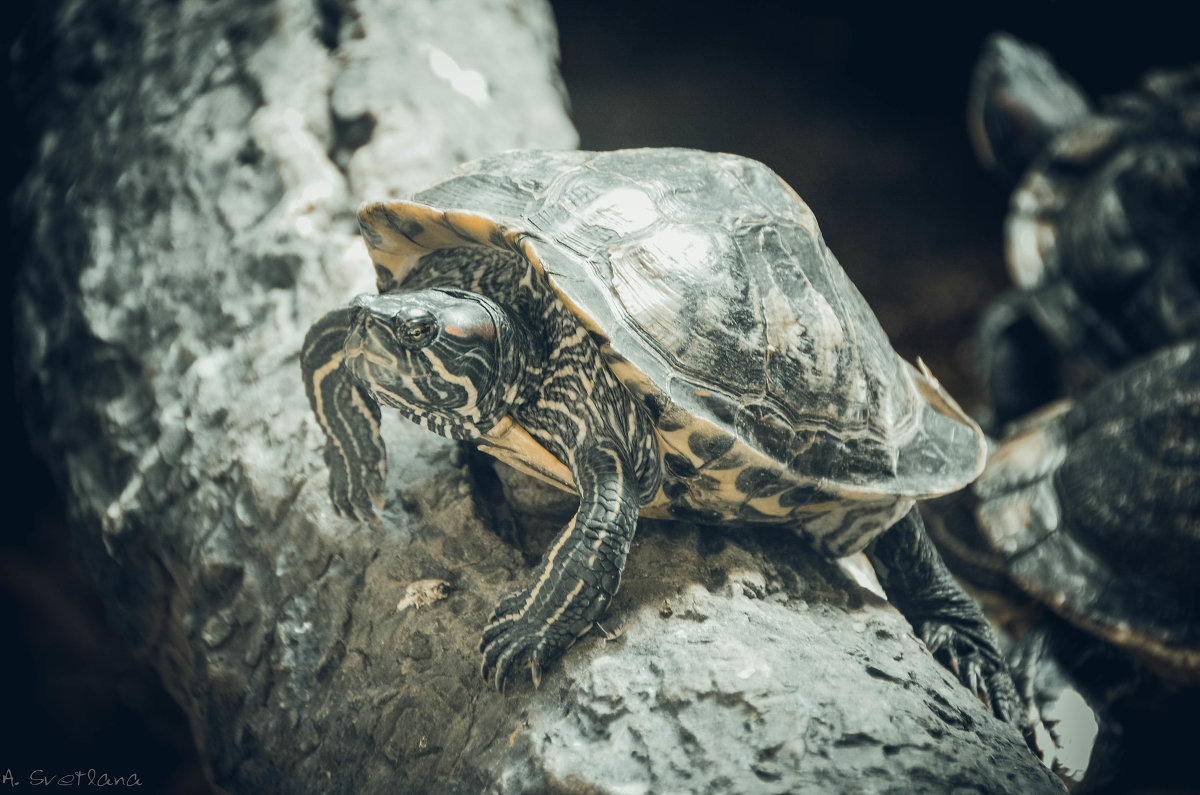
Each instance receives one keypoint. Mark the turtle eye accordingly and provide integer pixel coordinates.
(416, 332)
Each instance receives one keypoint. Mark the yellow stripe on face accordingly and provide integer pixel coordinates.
(372, 357)
(470, 409)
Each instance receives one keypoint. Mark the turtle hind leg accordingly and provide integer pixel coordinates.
(949, 621)
(349, 417)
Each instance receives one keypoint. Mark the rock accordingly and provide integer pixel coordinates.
(746, 664)
(190, 211)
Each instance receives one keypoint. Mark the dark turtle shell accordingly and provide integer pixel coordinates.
(1094, 509)
(706, 283)
(1101, 231)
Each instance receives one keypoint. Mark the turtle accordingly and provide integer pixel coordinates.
(665, 333)
(1100, 238)
(1090, 509)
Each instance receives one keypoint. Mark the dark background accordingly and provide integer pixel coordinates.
(861, 113)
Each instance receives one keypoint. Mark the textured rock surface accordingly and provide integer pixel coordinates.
(191, 211)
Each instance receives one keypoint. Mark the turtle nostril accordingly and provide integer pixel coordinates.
(359, 317)
(360, 309)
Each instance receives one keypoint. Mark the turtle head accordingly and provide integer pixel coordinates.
(451, 360)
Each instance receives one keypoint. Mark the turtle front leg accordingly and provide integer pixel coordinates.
(349, 417)
(948, 620)
(577, 578)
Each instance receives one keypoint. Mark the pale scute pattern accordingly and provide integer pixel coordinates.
(665, 333)
(715, 301)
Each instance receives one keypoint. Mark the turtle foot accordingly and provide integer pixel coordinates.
(951, 624)
(972, 657)
(354, 495)
(526, 631)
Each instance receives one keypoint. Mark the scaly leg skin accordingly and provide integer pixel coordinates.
(949, 621)
(576, 579)
(349, 417)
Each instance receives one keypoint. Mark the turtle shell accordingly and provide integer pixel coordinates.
(705, 282)
(1094, 507)
(1102, 227)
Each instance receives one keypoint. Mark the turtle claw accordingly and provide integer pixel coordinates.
(508, 647)
(525, 632)
(985, 675)
(950, 622)
(976, 682)
(535, 672)
(960, 655)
